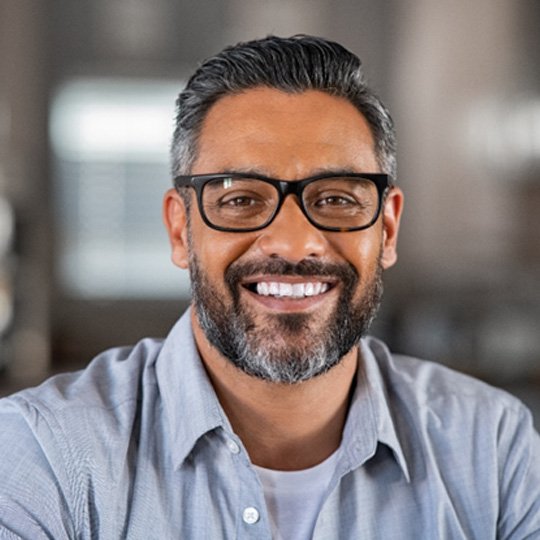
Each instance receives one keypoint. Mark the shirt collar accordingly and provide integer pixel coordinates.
(191, 407)
(369, 421)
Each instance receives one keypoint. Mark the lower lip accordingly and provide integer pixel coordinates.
(289, 304)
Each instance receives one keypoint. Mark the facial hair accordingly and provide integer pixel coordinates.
(289, 347)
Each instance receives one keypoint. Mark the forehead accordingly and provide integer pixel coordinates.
(284, 135)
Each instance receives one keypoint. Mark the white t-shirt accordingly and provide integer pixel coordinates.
(294, 498)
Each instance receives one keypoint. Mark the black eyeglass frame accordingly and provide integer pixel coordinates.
(284, 188)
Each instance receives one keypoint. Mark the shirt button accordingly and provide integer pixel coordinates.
(250, 515)
(232, 446)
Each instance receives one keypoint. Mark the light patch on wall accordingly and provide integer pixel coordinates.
(110, 141)
(506, 134)
(104, 119)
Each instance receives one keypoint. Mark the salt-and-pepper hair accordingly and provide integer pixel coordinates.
(293, 65)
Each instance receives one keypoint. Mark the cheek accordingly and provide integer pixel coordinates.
(216, 250)
(361, 249)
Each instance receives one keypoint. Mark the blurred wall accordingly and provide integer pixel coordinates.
(463, 82)
(24, 188)
(466, 91)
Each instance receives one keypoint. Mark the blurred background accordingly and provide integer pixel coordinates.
(87, 94)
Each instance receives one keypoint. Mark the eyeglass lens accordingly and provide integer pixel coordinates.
(245, 203)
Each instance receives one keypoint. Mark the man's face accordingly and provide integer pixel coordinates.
(328, 284)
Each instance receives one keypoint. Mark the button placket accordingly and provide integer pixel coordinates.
(251, 499)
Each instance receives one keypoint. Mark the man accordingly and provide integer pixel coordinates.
(264, 414)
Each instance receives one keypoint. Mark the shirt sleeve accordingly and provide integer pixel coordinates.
(519, 516)
(33, 502)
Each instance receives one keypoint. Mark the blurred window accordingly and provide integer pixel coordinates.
(110, 142)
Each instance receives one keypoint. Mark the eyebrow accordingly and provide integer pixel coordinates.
(330, 171)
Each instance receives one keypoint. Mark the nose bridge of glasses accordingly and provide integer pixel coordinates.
(290, 188)
(292, 212)
(287, 188)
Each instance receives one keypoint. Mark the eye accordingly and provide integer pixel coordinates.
(340, 195)
(336, 201)
(239, 200)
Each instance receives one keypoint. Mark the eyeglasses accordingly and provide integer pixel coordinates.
(238, 202)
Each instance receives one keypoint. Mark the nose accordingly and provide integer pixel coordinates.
(291, 236)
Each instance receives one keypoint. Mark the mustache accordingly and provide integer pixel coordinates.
(238, 271)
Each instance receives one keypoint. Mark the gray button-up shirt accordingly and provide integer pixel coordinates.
(137, 446)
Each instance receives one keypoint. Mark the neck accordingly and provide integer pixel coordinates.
(282, 426)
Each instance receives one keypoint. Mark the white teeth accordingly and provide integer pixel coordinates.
(263, 288)
(285, 289)
(298, 289)
(292, 290)
(274, 288)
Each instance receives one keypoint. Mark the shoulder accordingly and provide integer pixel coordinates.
(449, 417)
(471, 440)
(64, 410)
(425, 384)
(70, 434)
(112, 378)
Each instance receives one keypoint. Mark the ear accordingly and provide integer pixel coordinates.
(175, 219)
(392, 209)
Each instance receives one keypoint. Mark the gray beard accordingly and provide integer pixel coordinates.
(290, 347)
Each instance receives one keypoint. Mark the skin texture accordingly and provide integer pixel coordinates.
(287, 136)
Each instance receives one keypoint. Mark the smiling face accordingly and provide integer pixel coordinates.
(287, 302)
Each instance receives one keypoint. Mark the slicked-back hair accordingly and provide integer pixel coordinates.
(293, 65)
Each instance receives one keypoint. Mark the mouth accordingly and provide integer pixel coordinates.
(287, 289)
